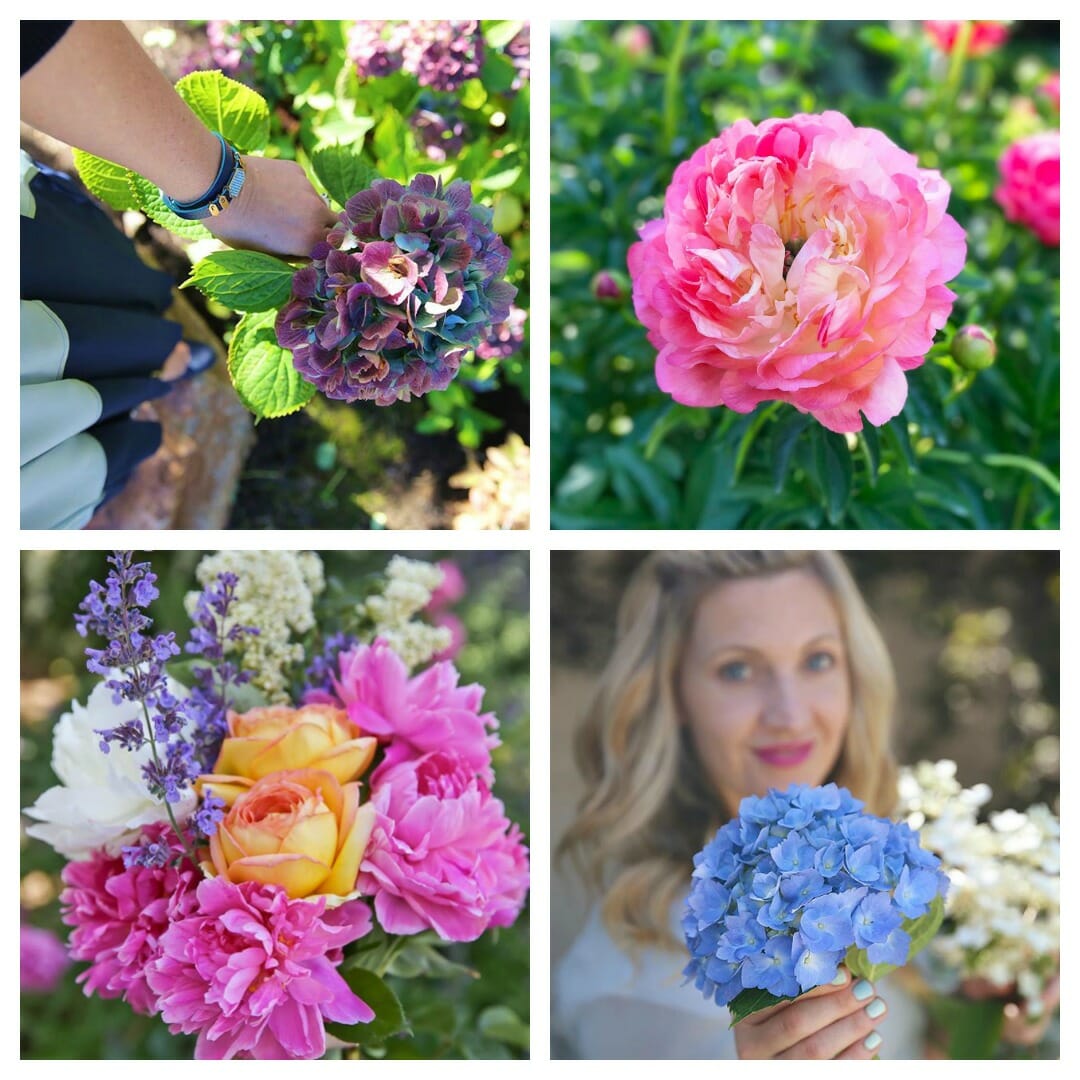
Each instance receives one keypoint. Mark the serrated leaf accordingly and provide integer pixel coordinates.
(153, 206)
(341, 170)
(501, 1023)
(389, 1015)
(107, 180)
(231, 108)
(747, 1002)
(243, 280)
(263, 372)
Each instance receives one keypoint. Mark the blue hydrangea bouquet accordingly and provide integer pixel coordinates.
(799, 883)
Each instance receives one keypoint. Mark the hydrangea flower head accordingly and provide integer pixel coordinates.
(802, 260)
(782, 893)
(403, 286)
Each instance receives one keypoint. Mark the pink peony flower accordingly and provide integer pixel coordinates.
(254, 973)
(413, 715)
(42, 960)
(442, 854)
(120, 915)
(458, 634)
(1050, 88)
(800, 260)
(1030, 191)
(985, 36)
(451, 589)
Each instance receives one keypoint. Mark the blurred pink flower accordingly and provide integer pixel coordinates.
(42, 960)
(120, 915)
(413, 716)
(800, 260)
(451, 589)
(1030, 189)
(254, 973)
(1050, 87)
(458, 634)
(985, 36)
(442, 855)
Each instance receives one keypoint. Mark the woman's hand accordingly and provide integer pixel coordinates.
(835, 1021)
(278, 211)
(1019, 1027)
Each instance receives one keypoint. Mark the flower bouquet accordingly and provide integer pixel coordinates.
(1001, 936)
(799, 883)
(256, 843)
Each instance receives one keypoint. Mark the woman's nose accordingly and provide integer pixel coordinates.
(785, 705)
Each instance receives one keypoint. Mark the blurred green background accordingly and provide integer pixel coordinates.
(451, 1018)
(632, 100)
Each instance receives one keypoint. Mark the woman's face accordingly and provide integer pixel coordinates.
(765, 686)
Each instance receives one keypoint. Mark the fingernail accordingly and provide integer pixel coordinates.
(875, 1008)
(862, 990)
(872, 1041)
(841, 978)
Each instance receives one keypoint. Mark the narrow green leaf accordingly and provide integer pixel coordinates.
(658, 491)
(785, 436)
(501, 1023)
(582, 485)
(871, 447)
(389, 1015)
(499, 181)
(263, 372)
(229, 107)
(835, 472)
(243, 280)
(110, 182)
(342, 170)
(897, 429)
(153, 206)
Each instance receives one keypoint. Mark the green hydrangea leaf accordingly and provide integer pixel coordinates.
(153, 206)
(262, 371)
(341, 170)
(107, 180)
(920, 930)
(389, 1015)
(747, 1002)
(224, 105)
(243, 280)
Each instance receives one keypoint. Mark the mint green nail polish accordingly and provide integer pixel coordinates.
(840, 979)
(875, 1008)
(872, 1041)
(862, 990)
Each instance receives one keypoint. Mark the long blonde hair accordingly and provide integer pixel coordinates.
(649, 806)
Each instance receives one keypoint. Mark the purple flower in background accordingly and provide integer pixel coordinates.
(505, 339)
(374, 46)
(323, 670)
(518, 49)
(443, 54)
(223, 51)
(403, 286)
(439, 135)
(42, 960)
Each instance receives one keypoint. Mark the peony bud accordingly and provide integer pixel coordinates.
(610, 285)
(973, 348)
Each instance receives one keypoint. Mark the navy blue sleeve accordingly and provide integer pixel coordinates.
(38, 37)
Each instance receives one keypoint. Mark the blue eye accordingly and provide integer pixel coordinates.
(735, 671)
(820, 661)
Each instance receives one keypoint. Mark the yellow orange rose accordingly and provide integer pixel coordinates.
(300, 829)
(272, 739)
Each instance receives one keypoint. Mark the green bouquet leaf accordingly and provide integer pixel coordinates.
(243, 280)
(262, 371)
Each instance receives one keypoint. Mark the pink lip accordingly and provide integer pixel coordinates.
(785, 755)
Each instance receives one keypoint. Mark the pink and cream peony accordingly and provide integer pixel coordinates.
(801, 260)
(984, 36)
(1030, 189)
(442, 855)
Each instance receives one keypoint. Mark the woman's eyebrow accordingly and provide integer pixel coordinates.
(719, 648)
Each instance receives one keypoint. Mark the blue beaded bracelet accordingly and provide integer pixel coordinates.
(227, 184)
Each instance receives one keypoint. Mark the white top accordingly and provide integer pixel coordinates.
(607, 1005)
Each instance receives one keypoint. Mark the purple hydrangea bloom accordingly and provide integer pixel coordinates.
(223, 51)
(518, 49)
(800, 877)
(439, 135)
(403, 286)
(505, 339)
(444, 53)
(374, 46)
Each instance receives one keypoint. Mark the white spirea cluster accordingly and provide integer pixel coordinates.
(275, 592)
(1003, 908)
(409, 585)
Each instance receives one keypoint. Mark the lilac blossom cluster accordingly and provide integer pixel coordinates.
(784, 890)
(442, 54)
(403, 286)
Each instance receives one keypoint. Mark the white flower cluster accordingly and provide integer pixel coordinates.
(1002, 914)
(275, 592)
(409, 585)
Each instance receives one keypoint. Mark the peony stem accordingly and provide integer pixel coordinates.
(958, 56)
(671, 84)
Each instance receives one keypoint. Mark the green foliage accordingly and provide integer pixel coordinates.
(389, 1021)
(342, 170)
(262, 371)
(110, 182)
(969, 450)
(227, 107)
(243, 280)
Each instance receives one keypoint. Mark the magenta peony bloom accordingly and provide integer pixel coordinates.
(254, 973)
(119, 917)
(458, 634)
(403, 286)
(1050, 88)
(451, 589)
(985, 36)
(800, 260)
(42, 960)
(413, 715)
(442, 855)
(1030, 189)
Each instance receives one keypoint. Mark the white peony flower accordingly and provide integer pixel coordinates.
(102, 799)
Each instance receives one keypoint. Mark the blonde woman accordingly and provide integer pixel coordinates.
(732, 673)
